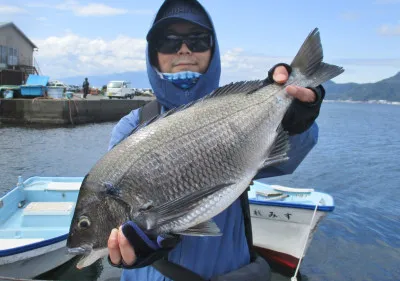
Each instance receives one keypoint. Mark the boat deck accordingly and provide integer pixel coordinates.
(276, 195)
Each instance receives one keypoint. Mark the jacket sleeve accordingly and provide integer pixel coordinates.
(300, 146)
(124, 128)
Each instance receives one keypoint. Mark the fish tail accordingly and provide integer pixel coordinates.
(309, 61)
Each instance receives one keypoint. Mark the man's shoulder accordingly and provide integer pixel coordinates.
(124, 127)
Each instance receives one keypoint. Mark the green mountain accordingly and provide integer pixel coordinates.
(387, 89)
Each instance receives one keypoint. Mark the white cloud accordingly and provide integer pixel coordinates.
(72, 55)
(41, 19)
(369, 70)
(98, 10)
(387, 1)
(349, 16)
(7, 10)
(142, 12)
(37, 5)
(390, 30)
(91, 9)
(391, 62)
(238, 65)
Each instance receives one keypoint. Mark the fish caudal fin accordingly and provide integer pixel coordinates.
(309, 61)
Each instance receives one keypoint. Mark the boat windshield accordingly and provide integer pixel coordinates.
(114, 85)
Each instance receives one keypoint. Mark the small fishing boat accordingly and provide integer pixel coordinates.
(34, 223)
(35, 217)
(284, 221)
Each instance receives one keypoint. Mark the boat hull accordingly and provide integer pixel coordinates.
(32, 263)
(279, 233)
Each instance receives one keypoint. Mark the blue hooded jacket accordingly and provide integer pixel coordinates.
(207, 256)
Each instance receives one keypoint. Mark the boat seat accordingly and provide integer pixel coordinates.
(14, 243)
(63, 186)
(45, 214)
(49, 208)
(291, 189)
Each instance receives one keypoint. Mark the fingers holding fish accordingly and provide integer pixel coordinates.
(119, 248)
(280, 75)
(113, 247)
(302, 94)
(126, 250)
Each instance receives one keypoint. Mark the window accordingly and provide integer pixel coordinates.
(114, 85)
(3, 54)
(8, 55)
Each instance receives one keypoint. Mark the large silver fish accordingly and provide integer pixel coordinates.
(182, 169)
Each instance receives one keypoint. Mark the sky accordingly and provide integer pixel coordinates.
(102, 37)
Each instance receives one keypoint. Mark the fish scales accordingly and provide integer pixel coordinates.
(170, 182)
(181, 170)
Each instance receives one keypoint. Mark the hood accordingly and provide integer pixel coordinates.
(171, 96)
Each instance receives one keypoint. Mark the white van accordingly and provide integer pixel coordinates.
(120, 90)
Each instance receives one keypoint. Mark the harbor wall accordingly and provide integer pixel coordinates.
(63, 111)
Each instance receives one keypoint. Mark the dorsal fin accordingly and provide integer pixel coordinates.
(244, 87)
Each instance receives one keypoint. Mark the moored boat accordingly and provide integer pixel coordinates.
(284, 221)
(34, 223)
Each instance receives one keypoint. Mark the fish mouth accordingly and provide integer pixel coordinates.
(84, 250)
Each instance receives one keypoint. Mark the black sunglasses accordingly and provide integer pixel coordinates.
(172, 43)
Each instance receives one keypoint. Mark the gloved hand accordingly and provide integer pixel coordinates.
(147, 250)
(305, 108)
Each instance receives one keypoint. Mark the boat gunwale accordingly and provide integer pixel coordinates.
(292, 205)
(32, 246)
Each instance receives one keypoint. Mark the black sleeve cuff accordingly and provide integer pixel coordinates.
(301, 115)
(142, 262)
(319, 94)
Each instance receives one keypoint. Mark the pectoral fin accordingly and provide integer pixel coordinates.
(280, 148)
(208, 228)
(174, 209)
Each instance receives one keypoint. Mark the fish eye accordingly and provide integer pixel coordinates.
(83, 222)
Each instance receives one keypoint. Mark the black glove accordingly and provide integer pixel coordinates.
(300, 115)
(147, 250)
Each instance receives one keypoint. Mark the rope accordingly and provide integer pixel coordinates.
(294, 278)
(70, 115)
(76, 107)
(70, 112)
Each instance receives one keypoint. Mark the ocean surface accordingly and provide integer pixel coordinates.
(357, 161)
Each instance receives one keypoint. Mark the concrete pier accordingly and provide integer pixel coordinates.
(64, 112)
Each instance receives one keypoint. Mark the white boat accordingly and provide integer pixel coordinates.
(35, 217)
(34, 223)
(284, 220)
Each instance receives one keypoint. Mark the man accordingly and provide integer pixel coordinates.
(183, 65)
(85, 87)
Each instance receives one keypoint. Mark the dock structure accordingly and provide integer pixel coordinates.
(65, 111)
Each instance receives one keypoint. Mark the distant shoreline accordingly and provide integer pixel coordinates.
(369, 101)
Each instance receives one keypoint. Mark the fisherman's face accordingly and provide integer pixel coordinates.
(184, 59)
